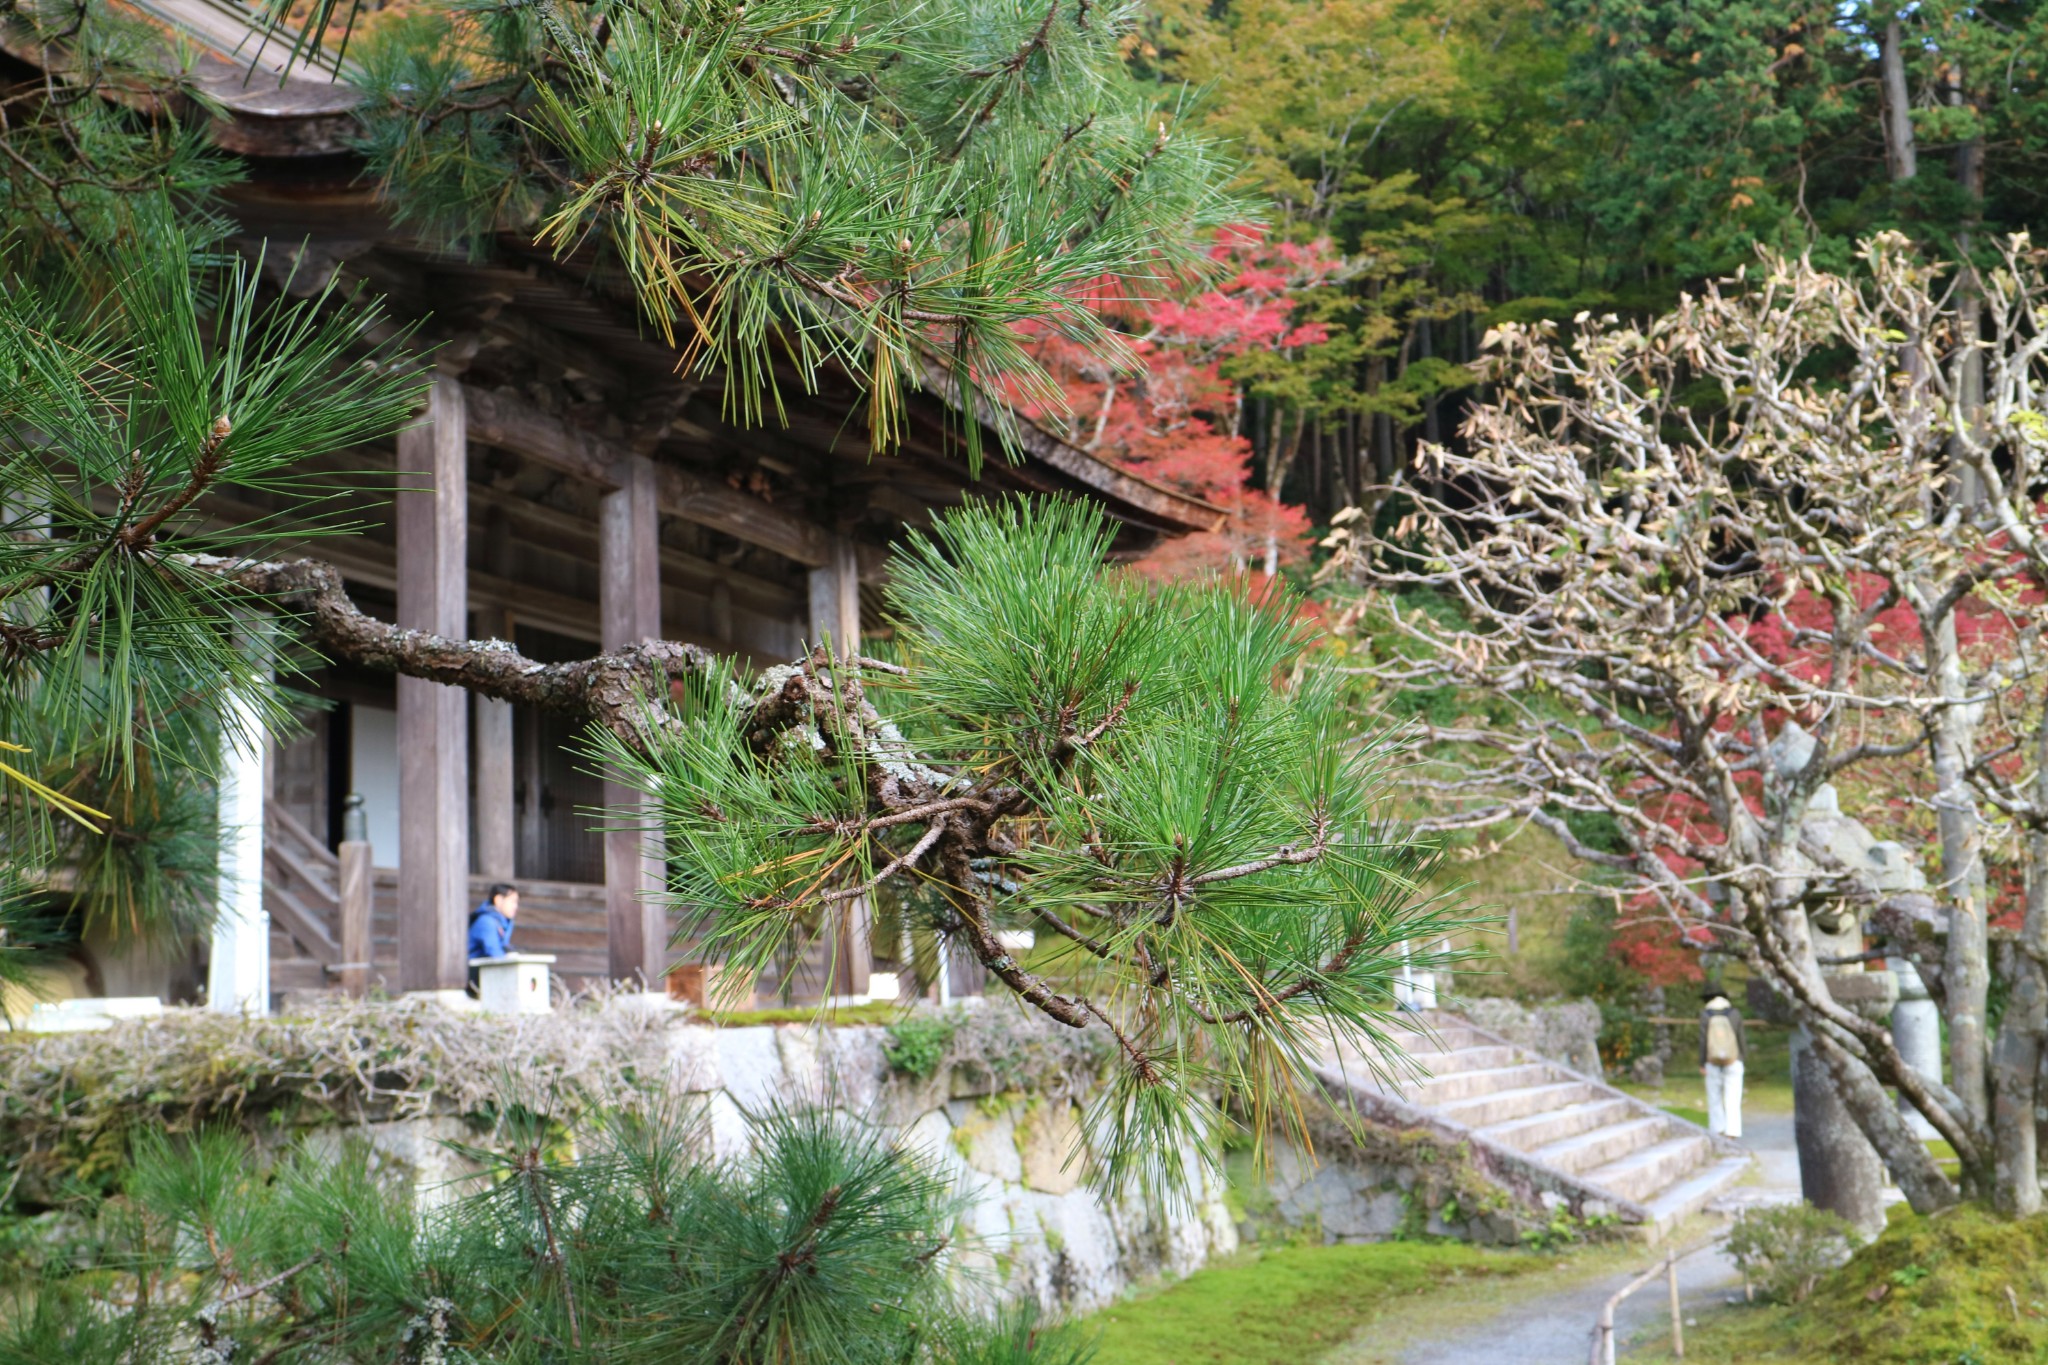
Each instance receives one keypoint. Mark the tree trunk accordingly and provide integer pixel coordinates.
(2017, 1061)
(1891, 1138)
(1838, 1168)
(1425, 343)
(1900, 155)
(1969, 304)
(1966, 967)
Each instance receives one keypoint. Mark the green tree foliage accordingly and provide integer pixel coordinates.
(885, 186)
(76, 158)
(1149, 778)
(144, 376)
(824, 1245)
(1483, 162)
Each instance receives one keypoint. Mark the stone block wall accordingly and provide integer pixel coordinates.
(1564, 1031)
(1375, 1185)
(1032, 1226)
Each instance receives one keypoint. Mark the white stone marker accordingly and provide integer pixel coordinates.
(516, 983)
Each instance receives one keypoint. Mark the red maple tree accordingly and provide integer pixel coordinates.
(1166, 411)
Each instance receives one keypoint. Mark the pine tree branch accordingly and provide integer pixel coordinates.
(614, 689)
(205, 469)
(1293, 855)
(923, 846)
(250, 1291)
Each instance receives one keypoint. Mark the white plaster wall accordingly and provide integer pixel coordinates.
(373, 771)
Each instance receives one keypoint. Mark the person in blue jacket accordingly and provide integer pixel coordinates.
(490, 925)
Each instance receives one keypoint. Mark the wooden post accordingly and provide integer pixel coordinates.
(718, 613)
(835, 620)
(629, 585)
(1677, 1321)
(356, 951)
(496, 799)
(433, 719)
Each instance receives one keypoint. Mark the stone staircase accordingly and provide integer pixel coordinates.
(1539, 1127)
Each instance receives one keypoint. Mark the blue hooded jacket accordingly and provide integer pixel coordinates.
(490, 932)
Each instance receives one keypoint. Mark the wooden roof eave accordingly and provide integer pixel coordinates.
(1169, 510)
(299, 116)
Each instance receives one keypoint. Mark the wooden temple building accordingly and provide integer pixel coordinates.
(566, 489)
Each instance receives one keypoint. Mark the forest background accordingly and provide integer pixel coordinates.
(1436, 169)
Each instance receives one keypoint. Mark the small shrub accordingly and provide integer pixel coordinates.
(1784, 1251)
(917, 1045)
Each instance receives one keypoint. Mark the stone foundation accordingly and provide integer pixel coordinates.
(1032, 1225)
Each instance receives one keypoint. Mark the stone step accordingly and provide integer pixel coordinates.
(1503, 1105)
(1526, 1134)
(1583, 1151)
(1470, 1059)
(1689, 1194)
(1644, 1173)
(1434, 1042)
(1437, 1091)
(1411, 1060)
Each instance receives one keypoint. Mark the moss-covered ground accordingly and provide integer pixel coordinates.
(874, 1012)
(1962, 1288)
(1289, 1305)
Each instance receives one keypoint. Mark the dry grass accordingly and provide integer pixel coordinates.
(69, 1101)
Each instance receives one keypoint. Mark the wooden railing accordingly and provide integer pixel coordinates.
(320, 899)
(301, 886)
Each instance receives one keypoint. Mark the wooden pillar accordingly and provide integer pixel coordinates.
(355, 888)
(835, 599)
(629, 578)
(433, 719)
(835, 619)
(496, 795)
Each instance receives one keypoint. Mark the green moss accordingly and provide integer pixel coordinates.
(875, 1012)
(1964, 1286)
(1285, 1306)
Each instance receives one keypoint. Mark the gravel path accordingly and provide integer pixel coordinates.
(1551, 1322)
